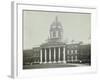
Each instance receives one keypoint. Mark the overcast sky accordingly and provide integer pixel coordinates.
(36, 27)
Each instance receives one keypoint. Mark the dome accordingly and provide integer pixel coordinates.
(56, 24)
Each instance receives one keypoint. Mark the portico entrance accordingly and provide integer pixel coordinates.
(52, 55)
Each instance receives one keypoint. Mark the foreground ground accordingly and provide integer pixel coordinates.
(37, 66)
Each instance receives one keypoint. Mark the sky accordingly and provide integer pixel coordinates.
(36, 25)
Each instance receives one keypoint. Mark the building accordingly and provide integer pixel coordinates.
(72, 52)
(53, 51)
(85, 53)
(56, 51)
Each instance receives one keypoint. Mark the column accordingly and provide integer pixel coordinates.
(45, 55)
(64, 57)
(58, 54)
(40, 56)
(49, 55)
(54, 55)
(76, 52)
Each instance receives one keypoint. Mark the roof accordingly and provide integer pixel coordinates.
(53, 44)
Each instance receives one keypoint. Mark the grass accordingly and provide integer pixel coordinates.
(39, 66)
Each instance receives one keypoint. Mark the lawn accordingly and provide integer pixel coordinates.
(39, 66)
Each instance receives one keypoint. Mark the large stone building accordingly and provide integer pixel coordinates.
(56, 51)
(53, 50)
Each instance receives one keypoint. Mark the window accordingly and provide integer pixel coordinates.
(51, 35)
(75, 58)
(57, 34)
(54, 34)
(71, 51)
(71, 58)
(67, 51)
(75, 51)
(68, 58)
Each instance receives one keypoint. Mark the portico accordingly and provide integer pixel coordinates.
(52, 55)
